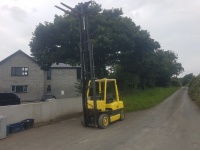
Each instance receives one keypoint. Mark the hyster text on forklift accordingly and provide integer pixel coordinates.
(100, 97)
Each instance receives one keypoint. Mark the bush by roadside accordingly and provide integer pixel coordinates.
(194, 89)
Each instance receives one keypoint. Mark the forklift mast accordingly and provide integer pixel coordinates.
(81, 11)
(87, 63)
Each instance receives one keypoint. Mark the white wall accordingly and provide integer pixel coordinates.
(42, 111)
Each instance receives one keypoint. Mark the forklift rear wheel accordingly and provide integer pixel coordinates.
(104, 121)
(122, 115)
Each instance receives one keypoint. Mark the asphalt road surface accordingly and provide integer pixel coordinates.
(172, 125)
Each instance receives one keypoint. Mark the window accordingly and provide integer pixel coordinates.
(48, 88)
(19, 71)
(49, 74)
(19, 88)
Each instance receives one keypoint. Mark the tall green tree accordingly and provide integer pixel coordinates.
(117, 43)
(187, 78)
(56, 42)
(166, 67)
(155, 69)
(115, 38)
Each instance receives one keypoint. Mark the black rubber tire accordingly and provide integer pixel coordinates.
(103, 121)
(122, 115)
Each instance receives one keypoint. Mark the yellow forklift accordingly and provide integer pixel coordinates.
(109, 107)
(100, 97)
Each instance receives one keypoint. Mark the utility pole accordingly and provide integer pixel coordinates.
(86, 56)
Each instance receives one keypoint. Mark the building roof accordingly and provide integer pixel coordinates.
(62, 65)
(54, 65)
(16, 53)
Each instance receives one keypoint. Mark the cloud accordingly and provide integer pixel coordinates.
(175, 24)
(14, 30)
(16, 13)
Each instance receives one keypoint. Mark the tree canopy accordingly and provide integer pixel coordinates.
(187, 78)
(118, 43)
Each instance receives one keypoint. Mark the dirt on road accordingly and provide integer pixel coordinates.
(172, 125)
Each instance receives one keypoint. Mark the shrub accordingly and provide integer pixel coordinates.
(194, 89)
(175, 82)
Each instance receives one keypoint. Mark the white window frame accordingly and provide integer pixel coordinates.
(14, 87)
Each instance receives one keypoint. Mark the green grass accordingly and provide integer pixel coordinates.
(143, 99)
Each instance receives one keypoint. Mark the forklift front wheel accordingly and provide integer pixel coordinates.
(104, 121)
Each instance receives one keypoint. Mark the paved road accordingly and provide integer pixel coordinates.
(172, 125)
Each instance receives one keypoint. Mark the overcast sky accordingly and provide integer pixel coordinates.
(175, 24)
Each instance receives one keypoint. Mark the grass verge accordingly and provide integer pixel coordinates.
(143, 99)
